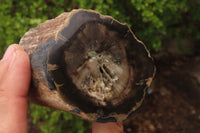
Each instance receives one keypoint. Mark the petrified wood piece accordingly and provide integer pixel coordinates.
(88, 64)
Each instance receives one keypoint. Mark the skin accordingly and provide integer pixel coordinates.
(15, 76)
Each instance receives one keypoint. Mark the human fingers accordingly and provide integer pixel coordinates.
(14, 83)
(112, 127)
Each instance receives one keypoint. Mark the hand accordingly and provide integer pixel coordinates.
(15, 75)
(114, 127)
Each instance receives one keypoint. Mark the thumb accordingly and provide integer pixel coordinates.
(14, 83)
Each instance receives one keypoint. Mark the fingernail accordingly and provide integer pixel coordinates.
(14, 59)
(8, 53)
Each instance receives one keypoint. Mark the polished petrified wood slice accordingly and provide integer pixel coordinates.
(88, 64)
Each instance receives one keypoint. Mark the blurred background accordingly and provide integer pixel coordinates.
(171, 31)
